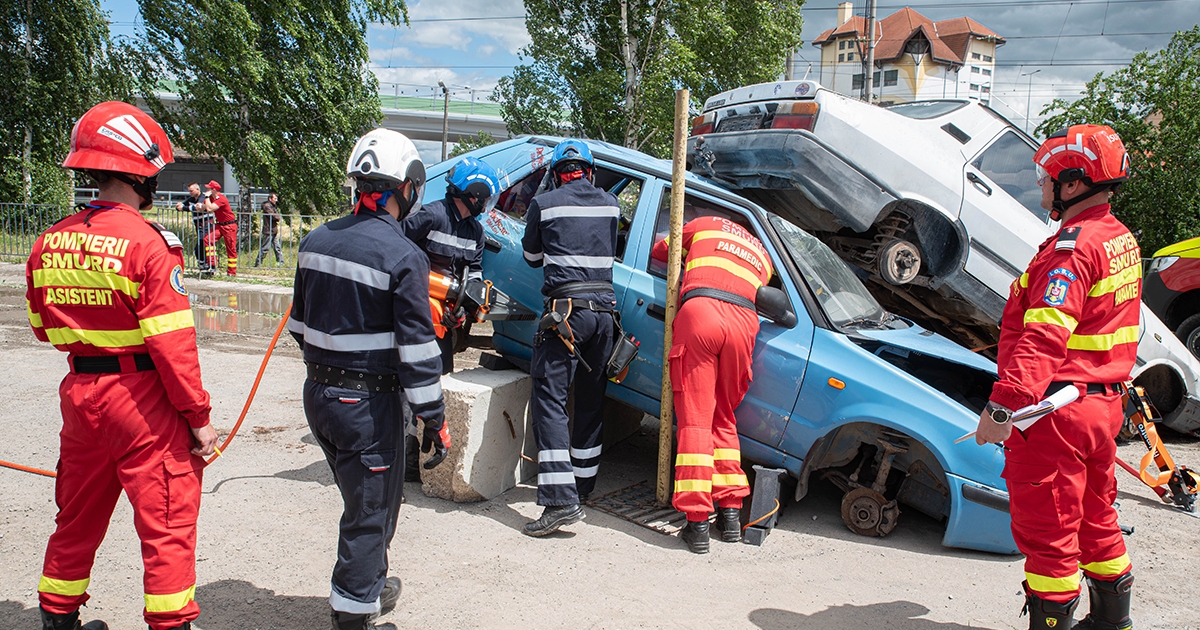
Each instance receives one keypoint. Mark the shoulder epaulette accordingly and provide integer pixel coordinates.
(1067, 238)
(168, 236)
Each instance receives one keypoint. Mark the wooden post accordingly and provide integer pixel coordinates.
(674, 263)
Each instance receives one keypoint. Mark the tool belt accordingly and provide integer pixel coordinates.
(1089, 388)
(569, 288)
(717, 294)
(227, 222)
(557, 316)
(353, 379)
(112, 364)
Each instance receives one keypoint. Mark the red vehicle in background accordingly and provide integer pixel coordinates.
(1172, 290)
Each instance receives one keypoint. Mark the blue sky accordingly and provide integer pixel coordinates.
(1078, 36)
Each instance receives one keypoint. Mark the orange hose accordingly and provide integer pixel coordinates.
(254, 389)
(229, 438)
(763, 517)
(28, 469)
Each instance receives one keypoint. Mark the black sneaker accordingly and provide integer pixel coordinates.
(729, 523)
(695, 534)
(553, 517)
(388, 597)
(347, 621)
(69, 621)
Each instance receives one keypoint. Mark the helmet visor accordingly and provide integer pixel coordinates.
(1042, 175)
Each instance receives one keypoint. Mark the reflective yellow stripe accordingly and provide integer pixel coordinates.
(1044, 584)
(170, 603)
(693, 459)
(160, 324)
(693, 485)
(98, 338)
(70, 588)
(727, 265)
(727, 454)
(35, 320)
(85, 278)
(1116, 566)
(1050, 316)
(1112, 283)
(1024, 280)
(1101, 343)
(730, 480)
(757, 250)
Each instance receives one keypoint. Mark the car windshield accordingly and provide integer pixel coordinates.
(924, 110)
(841, 294)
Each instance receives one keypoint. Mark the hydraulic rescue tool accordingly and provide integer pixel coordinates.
(462, 295)
(1174, 483)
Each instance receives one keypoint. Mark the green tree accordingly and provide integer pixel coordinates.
(608, 69)
(278, 88)
(470, 143)
(1154, 104)
(56, 61)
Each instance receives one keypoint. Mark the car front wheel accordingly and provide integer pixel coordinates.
(1189, 333)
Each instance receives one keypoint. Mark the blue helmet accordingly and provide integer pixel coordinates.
(475, 183)
(571, 151)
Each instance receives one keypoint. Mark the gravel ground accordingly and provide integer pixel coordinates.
(268, 529)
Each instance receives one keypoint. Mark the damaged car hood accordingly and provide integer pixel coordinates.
(926, 342)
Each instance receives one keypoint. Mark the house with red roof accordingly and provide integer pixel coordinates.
(915, 57)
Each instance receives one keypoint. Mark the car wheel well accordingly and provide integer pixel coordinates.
(1163, 386)
(1181, 308)
(936, 236)
(851, 454)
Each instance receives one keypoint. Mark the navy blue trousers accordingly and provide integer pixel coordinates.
(568, 460)
(362, 436)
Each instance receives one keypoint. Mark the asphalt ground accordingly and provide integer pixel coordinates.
(268, 528)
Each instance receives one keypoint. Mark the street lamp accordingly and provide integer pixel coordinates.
(445, 117)
(1028, 94)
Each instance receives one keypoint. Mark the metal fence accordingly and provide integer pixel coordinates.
(20, 225)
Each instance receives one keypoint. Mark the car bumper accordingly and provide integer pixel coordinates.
(978, 517)
(1186, 417)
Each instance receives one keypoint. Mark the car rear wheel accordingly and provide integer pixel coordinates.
(899, 262)
(1189, 333)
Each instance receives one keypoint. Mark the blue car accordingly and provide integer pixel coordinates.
(850, 393)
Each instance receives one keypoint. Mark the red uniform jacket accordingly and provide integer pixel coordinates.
(720, 254)
(105, 282)
(1075, 313)
(223, 213)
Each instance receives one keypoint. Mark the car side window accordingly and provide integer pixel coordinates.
(1009, 163)
(693, 207)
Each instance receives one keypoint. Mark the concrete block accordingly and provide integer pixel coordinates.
(487, 412)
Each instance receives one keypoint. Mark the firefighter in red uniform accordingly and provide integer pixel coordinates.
(1071, 321)
(710, 360)
(106, 286)
(226, 229)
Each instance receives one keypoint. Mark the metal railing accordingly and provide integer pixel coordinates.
(21, 224)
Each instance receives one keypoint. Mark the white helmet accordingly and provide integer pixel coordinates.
(382, 160)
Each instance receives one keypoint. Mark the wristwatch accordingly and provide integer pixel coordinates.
(999, 414)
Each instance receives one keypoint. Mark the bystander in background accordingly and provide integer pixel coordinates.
(202, 220)
(270, 230)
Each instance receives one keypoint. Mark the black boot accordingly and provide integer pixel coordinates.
(729, 523)
(51, 621)
(695, 534)
(412, 450)
(388, 597)
(1046, 615)
(1109, 604)
(553, 517)
(348, 621)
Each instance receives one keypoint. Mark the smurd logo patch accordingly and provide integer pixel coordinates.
(1056, 289)
(177, 280)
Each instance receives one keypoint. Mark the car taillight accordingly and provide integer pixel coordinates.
(704, 124)
(802, 115)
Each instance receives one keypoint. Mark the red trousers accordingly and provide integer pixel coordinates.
(120, 432)
(710, 357)
(1061, 487)
(228, 232)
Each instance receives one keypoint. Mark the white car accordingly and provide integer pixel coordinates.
(935, 202)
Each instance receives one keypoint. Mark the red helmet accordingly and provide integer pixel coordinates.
(1093, 153)
(121, 138)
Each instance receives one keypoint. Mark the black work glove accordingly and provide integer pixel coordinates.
(436, 439)
(454, 318)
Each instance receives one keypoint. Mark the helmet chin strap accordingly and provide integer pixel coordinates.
(1059, 206)
(145, 189)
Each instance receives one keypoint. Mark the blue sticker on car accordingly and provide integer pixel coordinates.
(177, 280)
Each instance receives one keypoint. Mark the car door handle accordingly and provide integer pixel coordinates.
(657, 311)
(978, 181)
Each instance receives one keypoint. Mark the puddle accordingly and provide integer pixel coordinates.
(238, 311)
